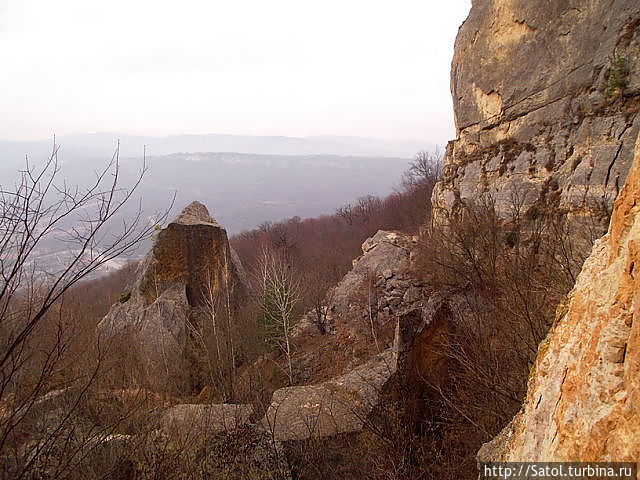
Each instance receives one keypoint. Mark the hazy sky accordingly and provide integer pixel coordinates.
(279, 67)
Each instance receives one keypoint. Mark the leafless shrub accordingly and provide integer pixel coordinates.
(48, 362)
(279, 293)
(508, 276)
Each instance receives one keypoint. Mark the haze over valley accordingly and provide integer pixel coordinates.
(244, 180)
(305, 294)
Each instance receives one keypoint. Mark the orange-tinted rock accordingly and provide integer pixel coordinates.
(583, 400)
(194, 251)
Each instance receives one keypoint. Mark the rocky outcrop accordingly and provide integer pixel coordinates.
(193, 251)
(360, 313)
(583, 400)
(383, 339)
(546, 99)
(190, 273)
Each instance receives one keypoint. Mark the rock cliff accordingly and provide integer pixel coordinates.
(546, 98)
(583, 400)
(190, 273)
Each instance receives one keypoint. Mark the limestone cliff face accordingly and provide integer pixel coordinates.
(583, 400)
(190, 272)
(546, 98)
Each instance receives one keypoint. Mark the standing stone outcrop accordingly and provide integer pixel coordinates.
(360, 313)
(583, 400)
(546, 97)
(190, 277)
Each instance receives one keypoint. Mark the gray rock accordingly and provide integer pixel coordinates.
(337, 406)
(538, 119)
(195, 214)
(190, 263)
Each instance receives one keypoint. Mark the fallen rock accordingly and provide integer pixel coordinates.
(337, 406)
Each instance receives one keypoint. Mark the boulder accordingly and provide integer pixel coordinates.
(340, 405)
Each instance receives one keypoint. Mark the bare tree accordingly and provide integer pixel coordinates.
(217, 335)
(426, 167)
(280, 292)
(346, 212)
(38, 210)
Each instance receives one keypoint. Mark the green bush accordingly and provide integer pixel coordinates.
(616, 77)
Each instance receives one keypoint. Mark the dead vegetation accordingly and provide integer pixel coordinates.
(73, 405)
(507, 276)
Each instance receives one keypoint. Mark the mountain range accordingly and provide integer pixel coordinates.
(244, 180)
(104, 143)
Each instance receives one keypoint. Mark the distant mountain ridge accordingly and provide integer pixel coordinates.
(244, 190)
(103, 143)
(287, 176)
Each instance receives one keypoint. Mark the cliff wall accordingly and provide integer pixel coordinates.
(546, 98)
(583, 400)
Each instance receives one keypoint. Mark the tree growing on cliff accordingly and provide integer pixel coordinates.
(424, 170)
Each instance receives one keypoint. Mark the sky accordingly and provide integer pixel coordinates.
(284, 67)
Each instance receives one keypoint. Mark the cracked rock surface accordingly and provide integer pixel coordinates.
(546, 98)
(583, 399)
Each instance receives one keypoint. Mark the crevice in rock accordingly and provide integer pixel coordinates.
(616, 156)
